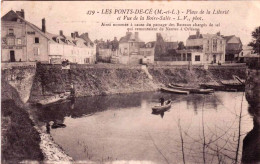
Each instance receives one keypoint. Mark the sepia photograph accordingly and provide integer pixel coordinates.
(130, 82)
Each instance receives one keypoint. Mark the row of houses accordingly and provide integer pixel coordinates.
(23, 41)
(200, 49)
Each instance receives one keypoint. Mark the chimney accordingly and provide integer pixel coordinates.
(158, 36)
(198, 33)
(61, 33)
(218, 33)
(136, 36)
(86, 34)
(72, 35)
(76, 34)
(20, 13)
(43, 25)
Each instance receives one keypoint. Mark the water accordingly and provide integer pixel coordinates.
(122, 128)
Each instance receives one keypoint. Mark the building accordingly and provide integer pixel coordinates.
(147, 52)
(74, 48)
(24, 42)
(211, 47)
(107, 51)
(21, 40)
(132, 50)
(246, 51)
(164, 51)
(233, 48)
(248, 56)
(129, 48)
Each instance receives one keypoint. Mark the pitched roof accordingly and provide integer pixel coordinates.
(85, 37)
(195, 37)
(10, 16)
(13, 16)
(203, 36)
(228, 37)
(233, 47)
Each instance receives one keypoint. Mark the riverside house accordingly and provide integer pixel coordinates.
(23, 41)
(209, 48)
(107, 51)
(233, 48)
(132, 50)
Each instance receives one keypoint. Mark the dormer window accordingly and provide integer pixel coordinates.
(58, 40)
(10, 31)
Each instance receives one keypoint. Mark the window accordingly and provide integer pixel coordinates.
(183, 57)
(36, 51)
(207, 46)
(10, 41)
(188, 56)
(19, 41)
(87, 60)
(11, 31)
(132, 44)
(36, 40)
(214, 44)
(178, 57)
(197, 58)
(242, 53)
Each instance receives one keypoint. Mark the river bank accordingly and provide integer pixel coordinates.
(22, 140)
(107, 79)
(20, 85)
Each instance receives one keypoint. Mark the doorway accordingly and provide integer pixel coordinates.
(214, 59)
(12, 56)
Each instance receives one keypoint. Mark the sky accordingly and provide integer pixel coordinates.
(71, 16)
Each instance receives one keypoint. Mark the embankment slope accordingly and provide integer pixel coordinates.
(196, 75)
(90, 80)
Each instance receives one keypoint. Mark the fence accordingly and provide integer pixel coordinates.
(18, 64)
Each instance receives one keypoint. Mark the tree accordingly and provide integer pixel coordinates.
(256, 40)
(181, 46)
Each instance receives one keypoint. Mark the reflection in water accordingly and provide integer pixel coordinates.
(161, 113)
(196, 129)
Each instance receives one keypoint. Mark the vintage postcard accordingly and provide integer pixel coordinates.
(130, 82)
